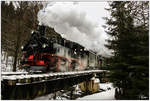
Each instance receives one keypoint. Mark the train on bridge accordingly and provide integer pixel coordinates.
(41, 53)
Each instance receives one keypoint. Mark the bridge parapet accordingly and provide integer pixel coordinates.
(27, 86)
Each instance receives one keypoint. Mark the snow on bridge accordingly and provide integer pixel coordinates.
(34, 85)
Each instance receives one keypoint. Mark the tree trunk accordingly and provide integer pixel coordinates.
(17, 47)
(6, 61)
(16, 54)
(18, 37)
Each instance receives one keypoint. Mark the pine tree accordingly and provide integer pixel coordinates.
(129, 43)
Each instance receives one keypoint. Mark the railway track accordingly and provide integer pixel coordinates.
(22, 78)
(22, 85)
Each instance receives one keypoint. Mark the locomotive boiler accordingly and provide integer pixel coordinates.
(41, 53)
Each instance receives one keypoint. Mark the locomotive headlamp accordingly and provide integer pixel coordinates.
(44, 45)
(75, 52)
(22, 47)
(32, 31)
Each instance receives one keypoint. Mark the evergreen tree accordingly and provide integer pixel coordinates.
(129, 42)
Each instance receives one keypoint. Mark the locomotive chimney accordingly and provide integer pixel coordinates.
(42, 30)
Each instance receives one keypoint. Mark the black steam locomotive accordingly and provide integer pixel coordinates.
(44, 54)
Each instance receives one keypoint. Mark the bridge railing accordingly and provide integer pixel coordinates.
(27, 86)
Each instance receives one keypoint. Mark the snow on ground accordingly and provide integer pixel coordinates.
(105, 95)
(7, 64)
(5, 68)
(108, 94)
(8, 67)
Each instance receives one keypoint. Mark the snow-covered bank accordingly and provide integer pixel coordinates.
(105, 95)
(6, 62)
(108, 94)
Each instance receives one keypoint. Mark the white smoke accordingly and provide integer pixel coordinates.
(75, 25)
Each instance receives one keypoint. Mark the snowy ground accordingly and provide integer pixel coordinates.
(9, 66)
(9, 63)
(105, 95)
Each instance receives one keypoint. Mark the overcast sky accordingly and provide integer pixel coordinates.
(80, 22)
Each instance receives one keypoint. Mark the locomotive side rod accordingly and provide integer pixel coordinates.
(31, 86)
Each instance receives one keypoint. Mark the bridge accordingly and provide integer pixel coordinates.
(29, 86)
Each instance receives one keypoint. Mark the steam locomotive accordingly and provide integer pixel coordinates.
(44, 54)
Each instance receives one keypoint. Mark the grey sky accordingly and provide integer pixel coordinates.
(80, 22)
